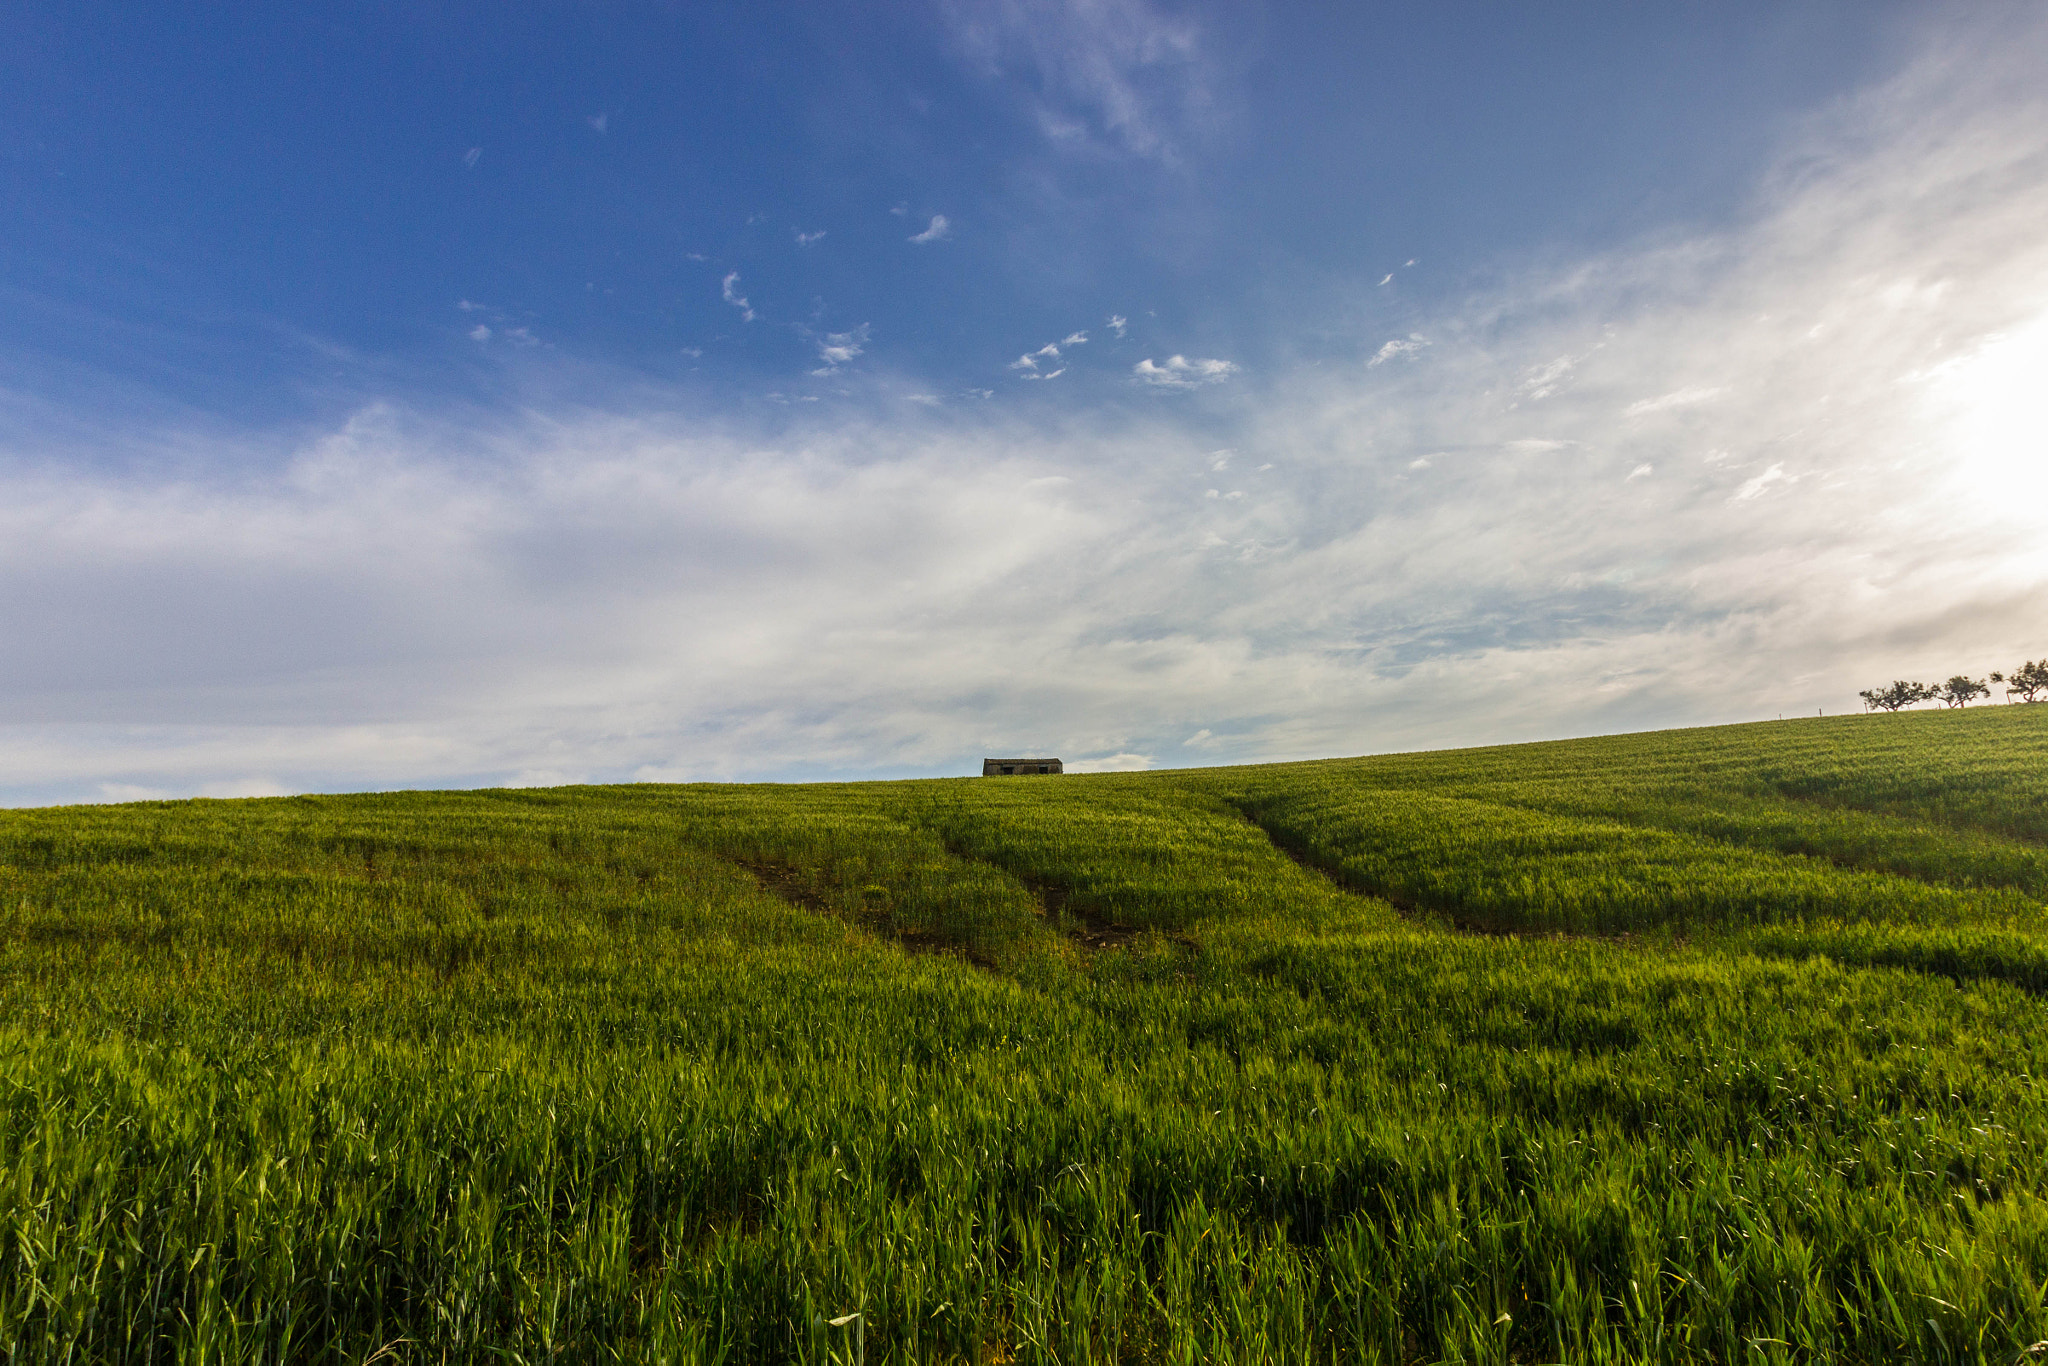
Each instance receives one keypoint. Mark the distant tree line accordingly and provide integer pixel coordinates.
(2027, 683)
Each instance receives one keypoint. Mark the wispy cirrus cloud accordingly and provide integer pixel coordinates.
(1028, 364)
(1099, 75)
(729, 290)
(497, 324)
(1757, 484)
(1677, 398)
(1395, 349)
(841, 348)
(1178, 372)
(938, 230)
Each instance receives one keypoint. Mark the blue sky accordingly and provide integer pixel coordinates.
(400, 395)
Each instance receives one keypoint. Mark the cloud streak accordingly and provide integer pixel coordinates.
(728, 289)
(1178, 372)
(1028, 364)
(841, 348)
(1116, 77)
(1395, 350)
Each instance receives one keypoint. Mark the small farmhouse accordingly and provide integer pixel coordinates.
(1003, 768)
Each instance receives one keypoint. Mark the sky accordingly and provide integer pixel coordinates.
(429, 395)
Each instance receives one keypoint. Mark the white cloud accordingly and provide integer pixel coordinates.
(472, 157)
(1677, 398)
(1181, 373)
(544, 777)
(1386, 279)
(1752, 488)
(941, 228)
(599, 122)
(1642, 471)
(728, 288)
(1029, 360)
(1395, 349)
(804, 239)
(839, 348)
(1543, 380)
(1027, 364)
(483, 332)
(1111, 763)
(1117, 323)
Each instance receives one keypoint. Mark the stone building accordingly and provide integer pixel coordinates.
(1003, 768)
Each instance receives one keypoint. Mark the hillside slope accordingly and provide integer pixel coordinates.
(1692, 1046)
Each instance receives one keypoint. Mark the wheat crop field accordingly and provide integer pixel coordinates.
(1720, 1045)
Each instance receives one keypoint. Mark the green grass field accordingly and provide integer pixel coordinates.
(1721, 1045)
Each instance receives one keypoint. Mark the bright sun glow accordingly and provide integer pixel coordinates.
(1992, 407)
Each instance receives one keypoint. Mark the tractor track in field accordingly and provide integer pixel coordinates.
(784, 881)
(1409, 909)
(1089, 932)
(1414, 911)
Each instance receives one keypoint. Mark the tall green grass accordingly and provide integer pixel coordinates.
(1336, 1061)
